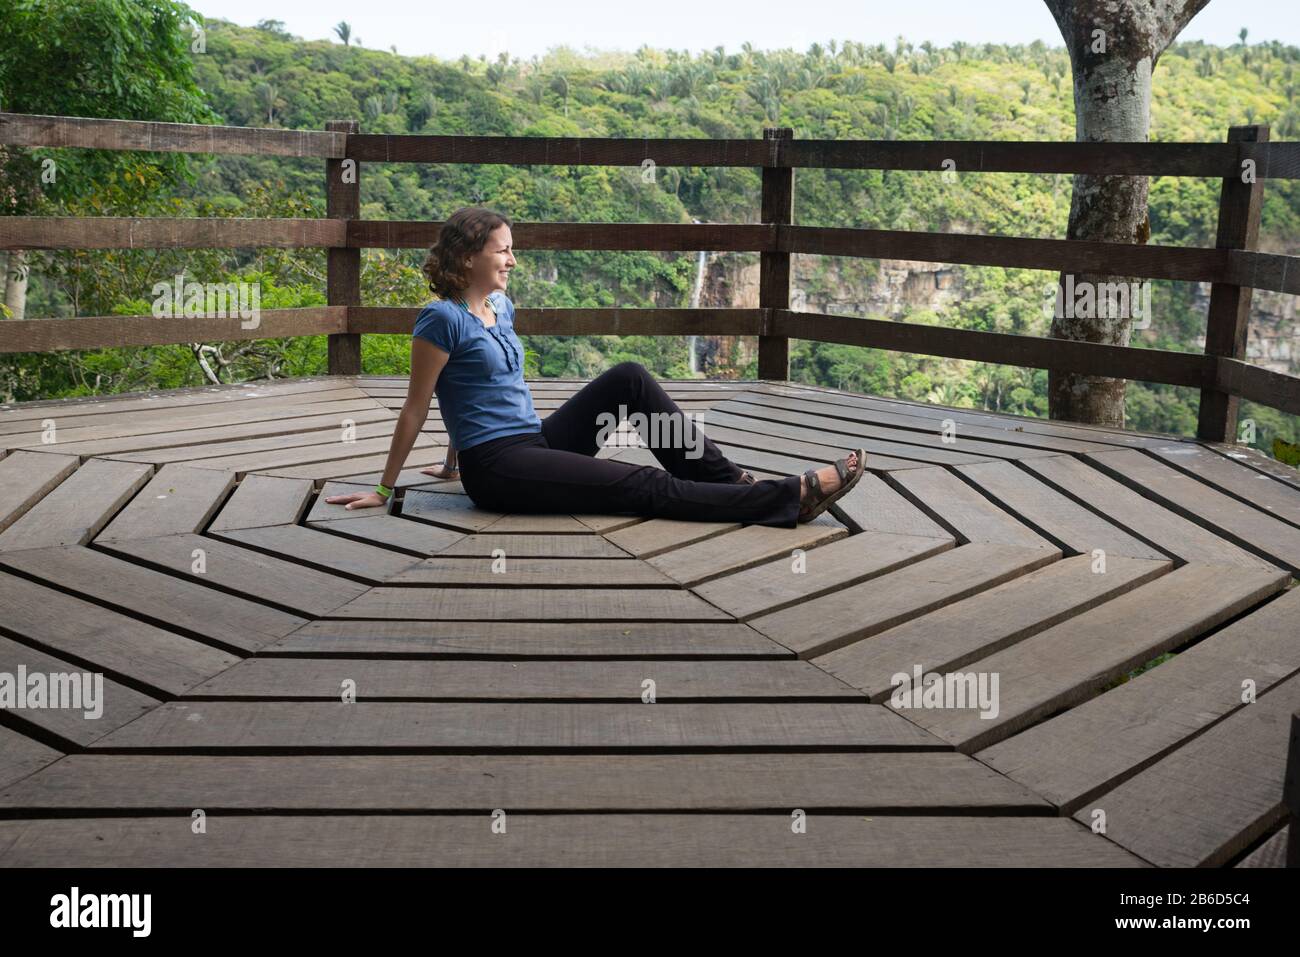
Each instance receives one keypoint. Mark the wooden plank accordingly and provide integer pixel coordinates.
(21, 129)
(327, 455)
(826, 452)
(789, 579)
(547, 639)
(243, 571)
(566, 840)
(1233, 478)
(964, 509)
(744, 548)
(1071, 662)
(1244, 380)
(178, 499)
(533, 572)
(752, 459)
(1122, 506)
(21, 756)
(134, 432)
(854, 405)
(813, 628)
(658, 535)
(359, 466)
(380, 727)
(131, 232)
(321, 679)
(320, 550)
(96, 332)
(1052, 514)
(529, 604)
(1005, 348)
(538, 524)
(121, 647)
(823, 442)
(1089, 749)
(301, 387)
(203, 447)
(1225, 516)
(262, 500)
(922, 425)
(874, 506)
(161, 599)
(133, 417)
(74, 512)
(1175, 814)
(914, 782)
(389, 531)
(484, 544)
(963, 631)
(26, 478)
(107, 704)
(442, 508)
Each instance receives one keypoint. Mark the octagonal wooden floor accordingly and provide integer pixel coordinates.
(178, 543)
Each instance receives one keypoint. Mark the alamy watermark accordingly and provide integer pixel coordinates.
(950, 690)
(179, 299)
(1099, 300)
(74, 690)
(659, 430)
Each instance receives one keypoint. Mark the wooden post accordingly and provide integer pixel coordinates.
(774, 268)
(343, 276)
(1229, 314)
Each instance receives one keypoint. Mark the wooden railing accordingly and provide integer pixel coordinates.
(1233, 266)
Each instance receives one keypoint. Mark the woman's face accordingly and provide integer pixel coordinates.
(492, 264)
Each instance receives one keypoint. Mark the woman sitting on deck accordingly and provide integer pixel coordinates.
(464, 348)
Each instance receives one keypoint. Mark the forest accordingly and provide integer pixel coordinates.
(217, 72)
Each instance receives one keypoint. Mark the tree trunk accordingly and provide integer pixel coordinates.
(16, 284)
(1114, 46)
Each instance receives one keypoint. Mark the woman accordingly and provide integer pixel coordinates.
(464, 348)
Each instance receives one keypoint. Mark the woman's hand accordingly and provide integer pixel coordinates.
(358, 499)
(442, 470)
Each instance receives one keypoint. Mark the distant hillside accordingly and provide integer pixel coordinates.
(264, 77)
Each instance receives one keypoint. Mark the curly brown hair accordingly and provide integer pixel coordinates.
(464, 233)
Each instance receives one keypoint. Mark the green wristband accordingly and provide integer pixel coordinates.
(383, 490)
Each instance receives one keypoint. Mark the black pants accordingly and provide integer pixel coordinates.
(556, 471)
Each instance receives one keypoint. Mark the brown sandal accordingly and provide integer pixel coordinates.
(820, 501)
(745, 478)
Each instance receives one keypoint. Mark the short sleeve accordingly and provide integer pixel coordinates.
(436, 325)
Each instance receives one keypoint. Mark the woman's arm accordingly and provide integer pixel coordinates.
(427, 361)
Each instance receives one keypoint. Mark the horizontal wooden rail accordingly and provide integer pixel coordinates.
(584, 322)
(1089, 358)
(122, 232)
(21, 129)
(1217, 160)
(1070, 255)
(658, 237)
(1233, 267)
(1274, 389)
(1264, 271)
(1189, 264)
(105, 332)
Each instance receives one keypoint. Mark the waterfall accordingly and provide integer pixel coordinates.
(700, 260)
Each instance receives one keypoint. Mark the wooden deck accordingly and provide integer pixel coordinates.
(178, 543)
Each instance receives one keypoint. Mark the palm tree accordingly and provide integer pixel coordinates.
(344, 31)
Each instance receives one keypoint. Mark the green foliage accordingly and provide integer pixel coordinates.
(263, 76)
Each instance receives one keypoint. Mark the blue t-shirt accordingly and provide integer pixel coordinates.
(481, 390)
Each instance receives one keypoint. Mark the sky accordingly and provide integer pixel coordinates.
(532, 27)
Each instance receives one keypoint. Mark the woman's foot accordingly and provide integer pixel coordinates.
(829, 478)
